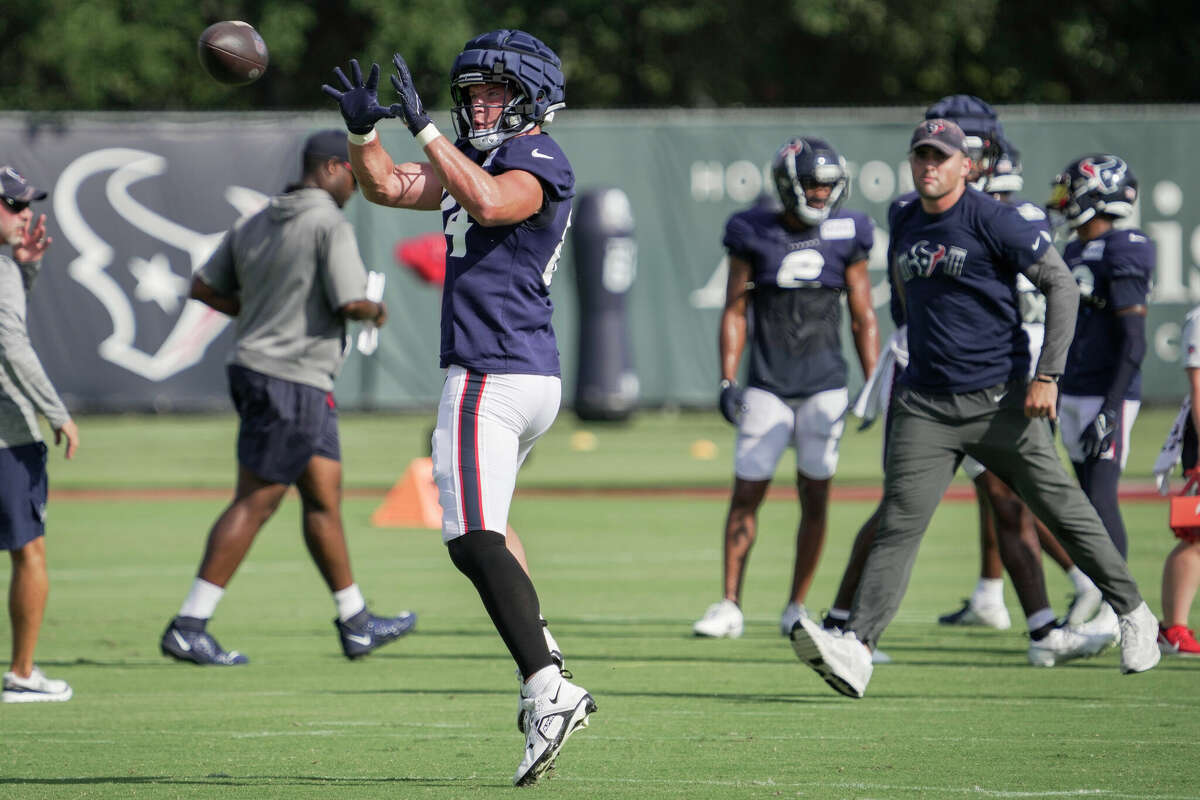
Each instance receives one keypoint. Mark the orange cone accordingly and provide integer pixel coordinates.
(413, 501)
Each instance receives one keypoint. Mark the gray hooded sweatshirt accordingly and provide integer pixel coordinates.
(292, 266)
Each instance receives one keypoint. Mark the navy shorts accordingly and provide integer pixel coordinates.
(23, 485)
(284, 424)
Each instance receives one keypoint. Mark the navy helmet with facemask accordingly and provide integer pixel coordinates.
(1100, 183)
(527, 67)
(805, 162)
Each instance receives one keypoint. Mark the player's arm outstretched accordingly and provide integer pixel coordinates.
(382, 181)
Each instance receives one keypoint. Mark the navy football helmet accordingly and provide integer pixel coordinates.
(1091, 185)
(981, 125)
(1005, 176)
(805, 162)
(531, 71)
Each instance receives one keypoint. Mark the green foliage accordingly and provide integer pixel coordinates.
(124, 54)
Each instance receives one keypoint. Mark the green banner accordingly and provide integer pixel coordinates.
(686, 172)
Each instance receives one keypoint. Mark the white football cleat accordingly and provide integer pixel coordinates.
(550, 718)
(37, 688)
(838, 657)
(721, 620)
(1139, 640)
(790, 616)
(1063, 644)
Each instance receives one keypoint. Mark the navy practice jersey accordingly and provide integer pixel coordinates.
(496, 299)
(958, 271)
(1113, 272)
(798, 278)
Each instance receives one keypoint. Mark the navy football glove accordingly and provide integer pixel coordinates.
(410, 109)
(731, 402)
(1098, 435)
(359, 100)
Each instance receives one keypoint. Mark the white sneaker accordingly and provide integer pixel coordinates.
(722, 620)
(839, 658)
(1084, 605)
(880, 657)
(551, 718)
(1063, 644)
(37, 688)
(791, 615)
(994, 615)
(1104, 623)
(1139, 640)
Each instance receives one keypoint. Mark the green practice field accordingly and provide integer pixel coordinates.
(622, 576)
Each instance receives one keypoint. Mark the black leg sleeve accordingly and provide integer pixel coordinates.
(507, 594)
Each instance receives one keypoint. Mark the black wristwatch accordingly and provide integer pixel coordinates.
(1043, 378)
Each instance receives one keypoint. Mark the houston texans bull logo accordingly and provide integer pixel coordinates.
(923, 259)
(197, 326)
(1106, 174)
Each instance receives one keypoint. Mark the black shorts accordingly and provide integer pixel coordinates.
(23, 485)
(284, 424)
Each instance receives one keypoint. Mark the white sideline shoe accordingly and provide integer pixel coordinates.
(550, 718)
(989, 616)
(790, 616)
(838, 657)
(37, 688)
(1139, 640)
(1063, 644)
(721, 620)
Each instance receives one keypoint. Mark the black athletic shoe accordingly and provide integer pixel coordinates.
(364, 632)
(185, 639)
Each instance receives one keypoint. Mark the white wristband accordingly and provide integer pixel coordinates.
(362, 138)
(427, 135)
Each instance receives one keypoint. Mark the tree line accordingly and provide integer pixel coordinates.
(141, 54)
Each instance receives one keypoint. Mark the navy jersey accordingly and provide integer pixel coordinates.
(1113, 272)
(496, 299)
(798, 278)
(959, 274)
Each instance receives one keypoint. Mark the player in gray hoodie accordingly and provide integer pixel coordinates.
(291, 276)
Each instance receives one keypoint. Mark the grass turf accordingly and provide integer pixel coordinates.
(958, 714)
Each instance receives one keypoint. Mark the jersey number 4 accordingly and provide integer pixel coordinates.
(459, 222)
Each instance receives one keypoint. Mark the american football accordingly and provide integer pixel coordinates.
(232, 52)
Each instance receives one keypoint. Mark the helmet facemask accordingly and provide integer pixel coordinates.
(808, 163)
(513, 119)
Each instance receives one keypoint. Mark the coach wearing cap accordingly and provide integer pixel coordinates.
(954, 256)
(25, 392)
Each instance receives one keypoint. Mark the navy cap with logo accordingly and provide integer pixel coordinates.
(16, 191)
(327, 144)
(941, 134)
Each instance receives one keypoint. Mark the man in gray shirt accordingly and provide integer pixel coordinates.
(25, 392)
(291, 276)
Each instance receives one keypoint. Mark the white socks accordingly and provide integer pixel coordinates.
(349, 601)
(1040, 619)
(201, 601)
(988, 592)
(540, 682)
(1082, 582)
